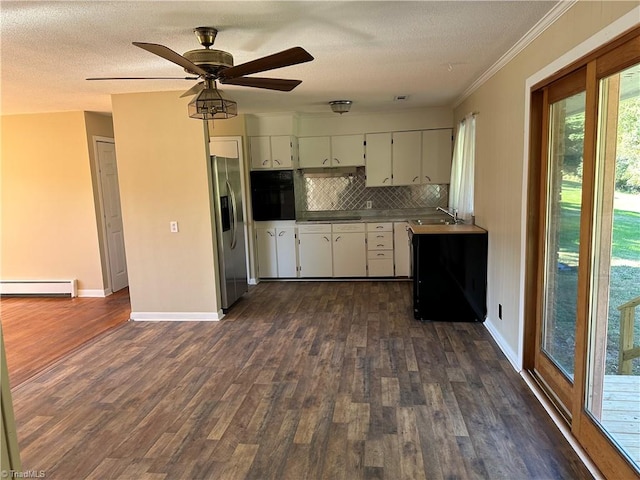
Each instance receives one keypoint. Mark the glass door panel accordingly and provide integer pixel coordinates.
(613, 381)
(562, 232)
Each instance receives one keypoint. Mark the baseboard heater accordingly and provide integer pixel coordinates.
(39, 288)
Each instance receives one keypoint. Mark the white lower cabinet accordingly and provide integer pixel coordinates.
(402, 249)
(339, 250)
(276, 245)
(349, 250)
(315, 250)
(380, 249)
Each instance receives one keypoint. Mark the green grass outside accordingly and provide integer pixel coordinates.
(625, 274)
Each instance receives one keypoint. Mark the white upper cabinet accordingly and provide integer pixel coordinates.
(378, 150)
(332, 151)
(275, 152)
(314, 151)
(406, 158)
(437, 148)
(347, 150)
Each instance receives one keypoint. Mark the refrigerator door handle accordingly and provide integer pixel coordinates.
(234, 219)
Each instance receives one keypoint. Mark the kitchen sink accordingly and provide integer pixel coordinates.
(432, 221)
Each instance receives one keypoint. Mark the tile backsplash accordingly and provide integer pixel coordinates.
(348, 192)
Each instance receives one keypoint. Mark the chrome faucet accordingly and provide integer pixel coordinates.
(453, 215)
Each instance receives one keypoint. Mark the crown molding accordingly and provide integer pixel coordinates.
(545, 22)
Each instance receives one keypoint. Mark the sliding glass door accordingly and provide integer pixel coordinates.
(583, 275)
(556, 339)
(613, 381)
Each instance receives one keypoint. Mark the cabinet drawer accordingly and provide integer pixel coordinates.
(382, 267)
(380, 241)
(347, 227)
(315, 228)
(380, 227)
(379, 254)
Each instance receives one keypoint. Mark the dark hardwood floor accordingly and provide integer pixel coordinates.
(39, 331)
(302, 380)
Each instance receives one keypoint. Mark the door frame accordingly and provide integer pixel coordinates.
(616, 55)
(100, 214)
(531, 168)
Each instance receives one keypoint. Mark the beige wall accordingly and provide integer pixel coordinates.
(500, 160)
(163, 174)
(49, 228)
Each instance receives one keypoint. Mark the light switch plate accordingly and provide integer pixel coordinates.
(173, 226)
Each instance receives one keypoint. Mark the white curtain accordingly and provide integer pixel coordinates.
(462, 169)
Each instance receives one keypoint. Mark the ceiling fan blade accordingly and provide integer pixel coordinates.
(144, 78)
(168, 54)
(197, 88)
(292, 56)
(281, 84)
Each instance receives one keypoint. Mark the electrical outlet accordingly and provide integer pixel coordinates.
(173, 226)
(369, 204)
(500, 311)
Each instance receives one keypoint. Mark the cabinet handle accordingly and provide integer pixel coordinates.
(277, 161)
(412, 181)
(380, 255)
(325, 161)
(265, 162)
(324, 236)
(380, 245)
(336, 160)
(427, 177)
(385, 180)
(271, 234)
(379, 236)
(379, 226)
(281, 233)
(338, 237)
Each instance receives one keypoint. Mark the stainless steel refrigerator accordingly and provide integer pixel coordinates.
(230, 229)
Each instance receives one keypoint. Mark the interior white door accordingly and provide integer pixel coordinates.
(112, 215)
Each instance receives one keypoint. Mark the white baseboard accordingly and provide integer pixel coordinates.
(253, 281)
(504, 346)
(93, 293)
(176, 316)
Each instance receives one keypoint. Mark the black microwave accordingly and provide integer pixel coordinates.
(272, 195)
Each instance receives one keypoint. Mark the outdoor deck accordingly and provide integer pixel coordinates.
(621, 412)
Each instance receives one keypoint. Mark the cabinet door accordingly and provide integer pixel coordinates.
(260, 152)
(406, 158)
(347, 150)
(437, 148)
(402, 250)
(314, 151)
(349, 255)
(378, 161)
(314, 250)
(286, 250)
(267, 254)
(281, 152)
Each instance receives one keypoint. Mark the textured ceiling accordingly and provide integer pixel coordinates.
(367, 52)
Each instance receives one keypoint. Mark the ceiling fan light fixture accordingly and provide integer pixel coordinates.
(340, 106)
(209, 105)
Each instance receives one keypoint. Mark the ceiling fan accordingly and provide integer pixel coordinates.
(213, 66)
